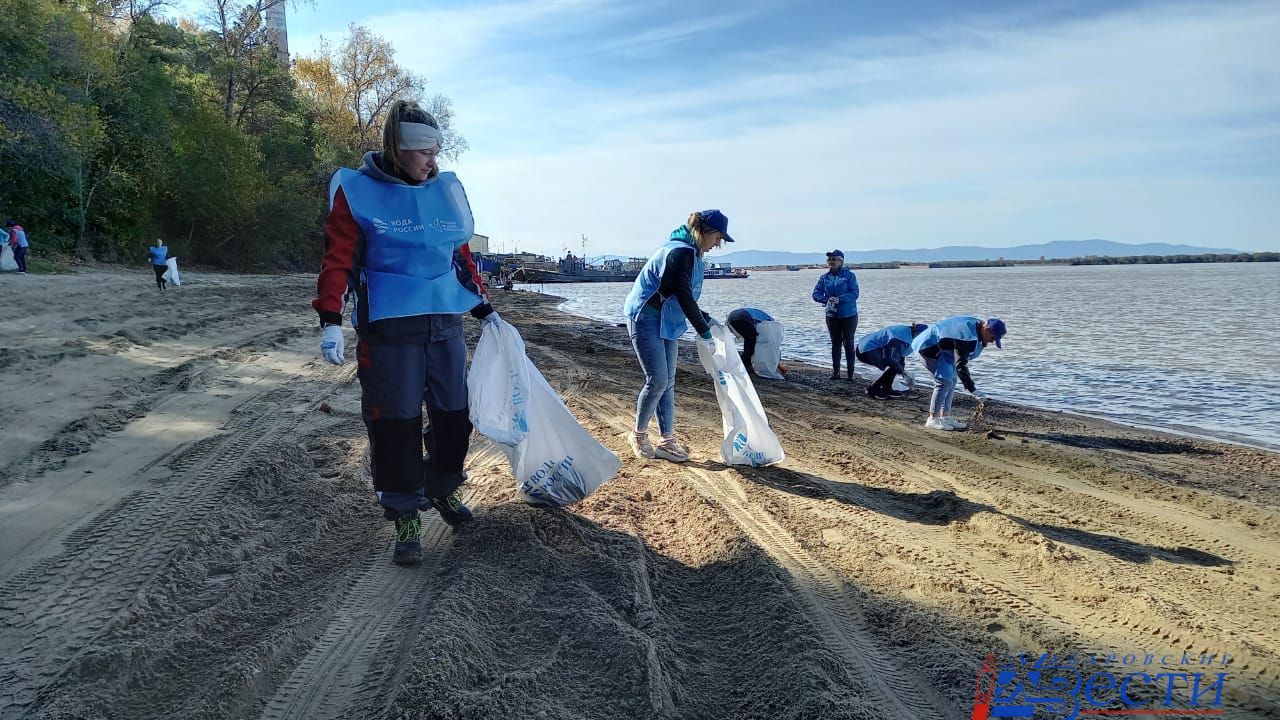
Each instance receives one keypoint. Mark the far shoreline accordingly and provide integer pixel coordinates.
(794, 362)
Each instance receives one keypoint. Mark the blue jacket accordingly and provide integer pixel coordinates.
(411, 233)
(158, 254)
(758, 315)
(842, 284)
(649, 280)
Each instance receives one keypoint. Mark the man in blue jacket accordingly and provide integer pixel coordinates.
(838, 290)
(947, 347)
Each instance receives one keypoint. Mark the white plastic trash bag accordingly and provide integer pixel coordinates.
(554, 459)
(748, 439)
(171, 275)
(768, 350)
(7, 263)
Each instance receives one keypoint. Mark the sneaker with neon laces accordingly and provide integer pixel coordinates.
(408, 540)
(452, 509)
(640, 446)
(671, 449)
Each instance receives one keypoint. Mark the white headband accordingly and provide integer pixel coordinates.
(419, 136)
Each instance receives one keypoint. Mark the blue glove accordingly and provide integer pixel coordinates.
(491, 318)
(332, 344)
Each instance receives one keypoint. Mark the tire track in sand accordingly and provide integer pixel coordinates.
(57, 609)
(831, 606)
(332, 680)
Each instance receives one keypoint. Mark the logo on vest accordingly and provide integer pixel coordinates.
(442, 225)
(382, 227)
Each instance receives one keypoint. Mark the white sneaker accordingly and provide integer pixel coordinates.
(639, 443)
(954, 423)
(938, 423)
(670, 449)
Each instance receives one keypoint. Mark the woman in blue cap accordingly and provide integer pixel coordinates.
(665, 296)
(838, 290)
(947, 347)
(887, 349)
(396, 238)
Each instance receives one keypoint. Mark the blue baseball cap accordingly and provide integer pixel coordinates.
(717, 221)
(836, 253)
(996, 325)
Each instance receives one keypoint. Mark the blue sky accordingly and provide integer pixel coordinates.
(858, 125)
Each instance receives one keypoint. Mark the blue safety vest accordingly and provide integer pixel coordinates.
(959, 327)
(411, 233)
(673, 323)
(883, 338)
(758, 315)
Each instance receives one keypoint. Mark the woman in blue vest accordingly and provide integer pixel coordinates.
(888, 349)
(396, 236)
(665, 296)
(159, 255)
(946, 348)
(838, 290)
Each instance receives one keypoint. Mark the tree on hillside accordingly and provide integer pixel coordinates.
(353, 86)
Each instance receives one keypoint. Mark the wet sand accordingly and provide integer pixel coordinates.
(187, 530)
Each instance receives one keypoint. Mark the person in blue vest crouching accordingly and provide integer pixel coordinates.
(947, 347)
(888, 349)
(665, 296)
(396, 236)
(743, 321)
(837, 289)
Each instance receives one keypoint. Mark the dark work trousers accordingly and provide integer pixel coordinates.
(20, 257)
(396, 378)
(841, 331)
(160, 271)
(880, 358)
(744, 325)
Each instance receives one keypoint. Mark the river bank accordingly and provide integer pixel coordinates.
(188, 531)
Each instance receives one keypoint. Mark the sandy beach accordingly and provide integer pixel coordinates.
(187, 530)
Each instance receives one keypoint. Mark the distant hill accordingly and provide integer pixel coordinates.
(1052, 250)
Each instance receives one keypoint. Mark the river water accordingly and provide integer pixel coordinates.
(1185, 348)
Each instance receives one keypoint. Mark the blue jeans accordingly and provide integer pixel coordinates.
(943, 368)
(658, 360)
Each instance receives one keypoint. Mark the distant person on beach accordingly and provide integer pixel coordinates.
(837, 289)
(745, 323)
(19, 244)
(664, 296)
(159, 256)
(947, 346)
(396, 234)
(888, 349)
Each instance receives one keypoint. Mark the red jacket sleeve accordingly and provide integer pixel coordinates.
(469, 274)
(341, 235)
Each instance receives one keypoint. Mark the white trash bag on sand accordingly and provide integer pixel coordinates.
(7, 263)
(748, 439)
(768, 350)
(171, 275)
(554, 459)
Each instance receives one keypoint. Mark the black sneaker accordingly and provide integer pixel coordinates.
(835, 376)
(408, 540)
(452, 509)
